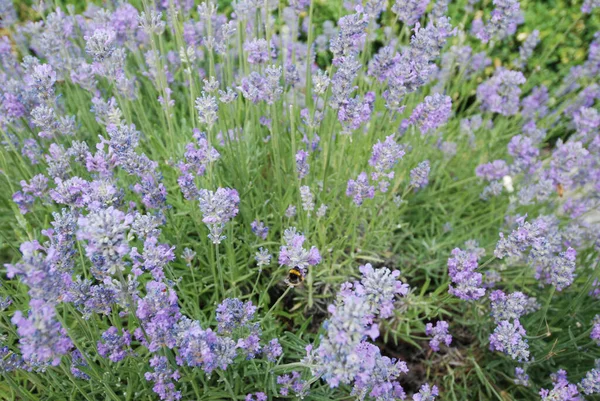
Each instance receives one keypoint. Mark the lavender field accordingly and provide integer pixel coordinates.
(278, 200)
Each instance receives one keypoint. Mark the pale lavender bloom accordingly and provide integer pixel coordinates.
(426, 393)
(31, 150)
(322, 211)
(440, 335)
(590, 384)
(291, 382)
(272, 350)
(589, 5)
(409, 11)
(595, 334)
(509, 339)
(342, 84)
(360, 189)
(153, 259)
(233, 314)
(524, 153)
(207, 108)
(379, 287)
(382, 63)
(535, 105)
(344, 356)
(159, 313)
(78, 362)
(293, 254)
(430, 115)
(461, 269)
(163, 377)
(521, 378)
(419, 176)
(503, 21)
(507, 307)
(492, 171)
(302, 166)
(188, 255)
(263, 257)
(290, 211)
(350, 37)
(106, 233)
(587, 122)
(320, 81)
(217, 209)
(562, 390)
(101, 44)
(500, 93)
(114, 346)
(259, 229)
(385, 156)
(42, 339)
(260, 396)
(527, 48)
(308, 200)
(561, 272)
(258, 51)
(519, 240)
(356, 111)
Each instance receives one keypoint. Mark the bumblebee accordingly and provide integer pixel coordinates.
(295, 277)
(560, 190)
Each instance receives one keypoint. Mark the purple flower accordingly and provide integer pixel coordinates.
(163, 377)
(380, 287)
(527, 48)
(503, 21)
(217, 209)
(291, 382)
(595, 334)
(262, 257)
(431, 114)
(524, 153)
(350, 37)
(500, 93)
(154, 258)
(272, 350)
(590, 384)
(233, 314)
(440, 335)
(42, 339)
(426, 393)
(258, 51)
(535, 105)
(562, 390)
(508, 338)
(159, 313)
(259, 229)
(256, 397)
(589, 5)
(302, 166)
(385, 156)
(293, 253)
(360, 189)
(409, 11)
(113, 345)
(101, 44)
(461, 269)
(521, 378)
(507, 307)
(78, 362)
(419, 176)
(208, 109)
(106, 233)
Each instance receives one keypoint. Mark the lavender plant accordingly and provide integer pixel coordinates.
(297, 199)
